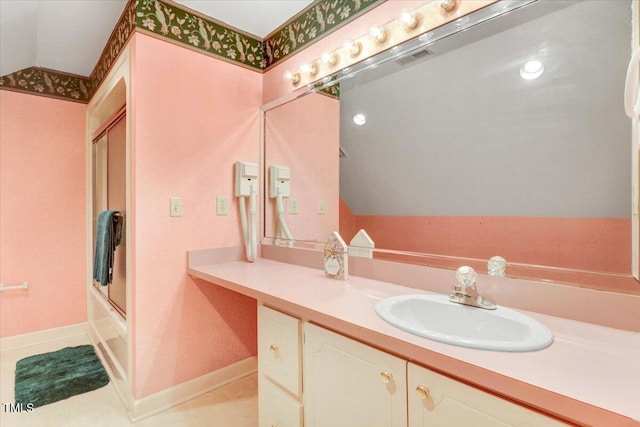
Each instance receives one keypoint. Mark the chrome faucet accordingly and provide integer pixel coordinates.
(465, 291)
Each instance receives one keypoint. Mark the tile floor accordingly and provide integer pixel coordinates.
(233, 405)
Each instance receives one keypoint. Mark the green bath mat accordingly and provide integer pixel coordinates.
(49, 377)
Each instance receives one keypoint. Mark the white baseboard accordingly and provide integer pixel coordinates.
(188, 390)
(44, 336)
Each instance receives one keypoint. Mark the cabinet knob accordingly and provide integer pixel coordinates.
(386, 377)
(423, 392)
(273, 348)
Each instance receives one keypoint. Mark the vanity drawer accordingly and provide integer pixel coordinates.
(276, 407)
(279, 346)
(438, 400)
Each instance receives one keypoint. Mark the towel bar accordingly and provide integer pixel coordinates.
(24, 285)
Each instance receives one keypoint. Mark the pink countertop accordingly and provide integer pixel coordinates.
(590, 375)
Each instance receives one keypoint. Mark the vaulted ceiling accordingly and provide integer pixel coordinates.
(69, 35)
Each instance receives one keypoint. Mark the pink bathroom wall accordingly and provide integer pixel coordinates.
(193, 116)
(42, 213)
(305, 136)
(593, 244)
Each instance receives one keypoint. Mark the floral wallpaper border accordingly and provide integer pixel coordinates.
(50, 83)
(319, 19)
(60, 85)
(124, 28)
(333, 91)
(169, 21)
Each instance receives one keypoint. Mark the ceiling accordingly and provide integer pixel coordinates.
(69, 35)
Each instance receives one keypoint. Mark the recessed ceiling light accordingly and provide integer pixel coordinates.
(359, 119)
(531, 70)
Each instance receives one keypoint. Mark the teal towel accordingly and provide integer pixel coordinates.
(108, 236)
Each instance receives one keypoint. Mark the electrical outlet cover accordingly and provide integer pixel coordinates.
(222, 205)
(293, 206)
(321, 207)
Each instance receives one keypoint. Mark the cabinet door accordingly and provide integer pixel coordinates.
(276, 408)
(436, 400)
(279, 348)
(349, 384)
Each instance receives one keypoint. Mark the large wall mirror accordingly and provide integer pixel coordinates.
(504, 138)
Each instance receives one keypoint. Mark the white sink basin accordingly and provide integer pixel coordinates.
(436, 318)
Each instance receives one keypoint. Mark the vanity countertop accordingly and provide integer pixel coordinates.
(590, 375)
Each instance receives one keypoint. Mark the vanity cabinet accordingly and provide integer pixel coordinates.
(276, 407)
(280, 376)
(437, 400)
(314, 377)
(348, 384)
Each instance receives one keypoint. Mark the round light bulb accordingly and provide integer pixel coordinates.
(409, 20)
(294, 78)
(309, 69)
(379, 34)
(531, 70)
(354, 48)
(330, 58)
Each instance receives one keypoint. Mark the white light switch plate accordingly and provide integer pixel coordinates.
(321, 207)
(175, 206)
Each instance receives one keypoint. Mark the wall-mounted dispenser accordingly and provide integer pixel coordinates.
(279, 177)
(247, 188)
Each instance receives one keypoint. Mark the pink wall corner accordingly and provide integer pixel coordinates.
(305, 135)
(42, 213)
(348, 227)
(273, 84)
(193, 116)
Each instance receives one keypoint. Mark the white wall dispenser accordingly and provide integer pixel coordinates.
(279, 189)
(247, 188)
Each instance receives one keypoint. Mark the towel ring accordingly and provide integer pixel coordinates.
(631, 105)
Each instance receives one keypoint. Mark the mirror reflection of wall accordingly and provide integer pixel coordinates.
(462, 156)
(304, 135)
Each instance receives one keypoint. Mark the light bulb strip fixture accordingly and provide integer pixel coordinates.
(410, 24)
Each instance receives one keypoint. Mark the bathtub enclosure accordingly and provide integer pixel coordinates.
(108, 136)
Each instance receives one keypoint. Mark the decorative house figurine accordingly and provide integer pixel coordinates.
(361, 245)
(336, 257)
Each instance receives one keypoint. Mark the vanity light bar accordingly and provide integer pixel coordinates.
(409, 25)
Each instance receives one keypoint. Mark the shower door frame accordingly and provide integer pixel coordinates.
(116, 292)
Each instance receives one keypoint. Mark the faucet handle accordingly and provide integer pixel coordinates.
(497, 266)
(466, 276)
